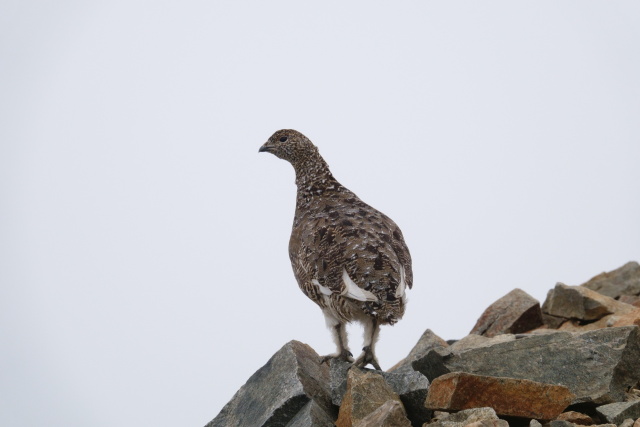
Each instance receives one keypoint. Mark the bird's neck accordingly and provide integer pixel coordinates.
(313, 177)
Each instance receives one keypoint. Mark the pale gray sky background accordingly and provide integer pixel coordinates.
(144, 273)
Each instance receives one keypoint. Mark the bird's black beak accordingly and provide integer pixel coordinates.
(264, 148)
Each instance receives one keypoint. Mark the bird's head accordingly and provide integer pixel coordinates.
(290, 145)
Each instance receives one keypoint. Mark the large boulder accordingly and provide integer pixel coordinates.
(275, 393)
(514, 313)
(622, 281)
(507, 396)
(597, 366)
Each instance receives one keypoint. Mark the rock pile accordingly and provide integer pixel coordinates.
(572, 361)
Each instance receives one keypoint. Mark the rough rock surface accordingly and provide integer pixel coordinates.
(366, 392)
(622, 281)
(591, 345)
(311, 415)
(390, 414)
(507, 396)
(616, 413)
(581, 303)
(484, 416)
(576, 418)
(514, 313)
(427, 342)
(300, 377)
(611, 357)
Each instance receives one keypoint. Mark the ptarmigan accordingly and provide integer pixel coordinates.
(347, 257)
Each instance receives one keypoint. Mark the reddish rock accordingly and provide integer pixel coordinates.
(630, 299)
(514, 313)
(366, 392)
(576, 418)
(508, 396)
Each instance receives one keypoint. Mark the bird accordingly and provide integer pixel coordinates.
(347, 257)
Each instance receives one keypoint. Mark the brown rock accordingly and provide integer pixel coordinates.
(630, 299)
(366, 392)
(623, 281)
(508, 396)
(577, 302)
(576, 418)
(514, 313)
(484, 416)
(390, 414)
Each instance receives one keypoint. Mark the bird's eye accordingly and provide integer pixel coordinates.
(283, 138)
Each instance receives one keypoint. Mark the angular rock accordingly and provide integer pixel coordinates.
(627, 423)
(338, 379)
(390, 414)
(412, 387)
(616, 413)
(514, 313)
(630, 299)
(467, 417)
(507, 396)
(427, 342)
(275, 393)
(311, 415)
(623, 281)
(577, 302)
(611, 357)
(575, 418)
(366, 392)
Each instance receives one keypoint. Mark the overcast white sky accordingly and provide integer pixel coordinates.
(144, 273)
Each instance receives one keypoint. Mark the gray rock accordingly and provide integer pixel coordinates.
(515, 312)
(275, 393)
(338, 379)
(560, 423)
(427, 342)
(311, 415)
(412, 387)
(577, 302)
(623, 281)
(597, 366)
(616, 413)
(534, 423)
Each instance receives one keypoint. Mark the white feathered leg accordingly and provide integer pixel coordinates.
(339, 335)
(368, 356)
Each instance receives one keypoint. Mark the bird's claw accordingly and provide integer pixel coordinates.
(367, 357)
(345, 355)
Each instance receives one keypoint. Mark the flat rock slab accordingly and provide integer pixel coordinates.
(581, 303)
(597, 366)
(515, 312)
(616, 413)
(622, 281)
(507, 396)
(275, 393)
(366, 392)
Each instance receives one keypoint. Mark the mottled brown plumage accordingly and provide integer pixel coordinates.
(347, 257)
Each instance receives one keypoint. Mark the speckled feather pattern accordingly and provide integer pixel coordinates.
(333, 232)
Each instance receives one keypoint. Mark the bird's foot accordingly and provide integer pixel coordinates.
(342, 355)
(367, 357)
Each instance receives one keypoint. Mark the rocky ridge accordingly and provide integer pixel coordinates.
(572, 361)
